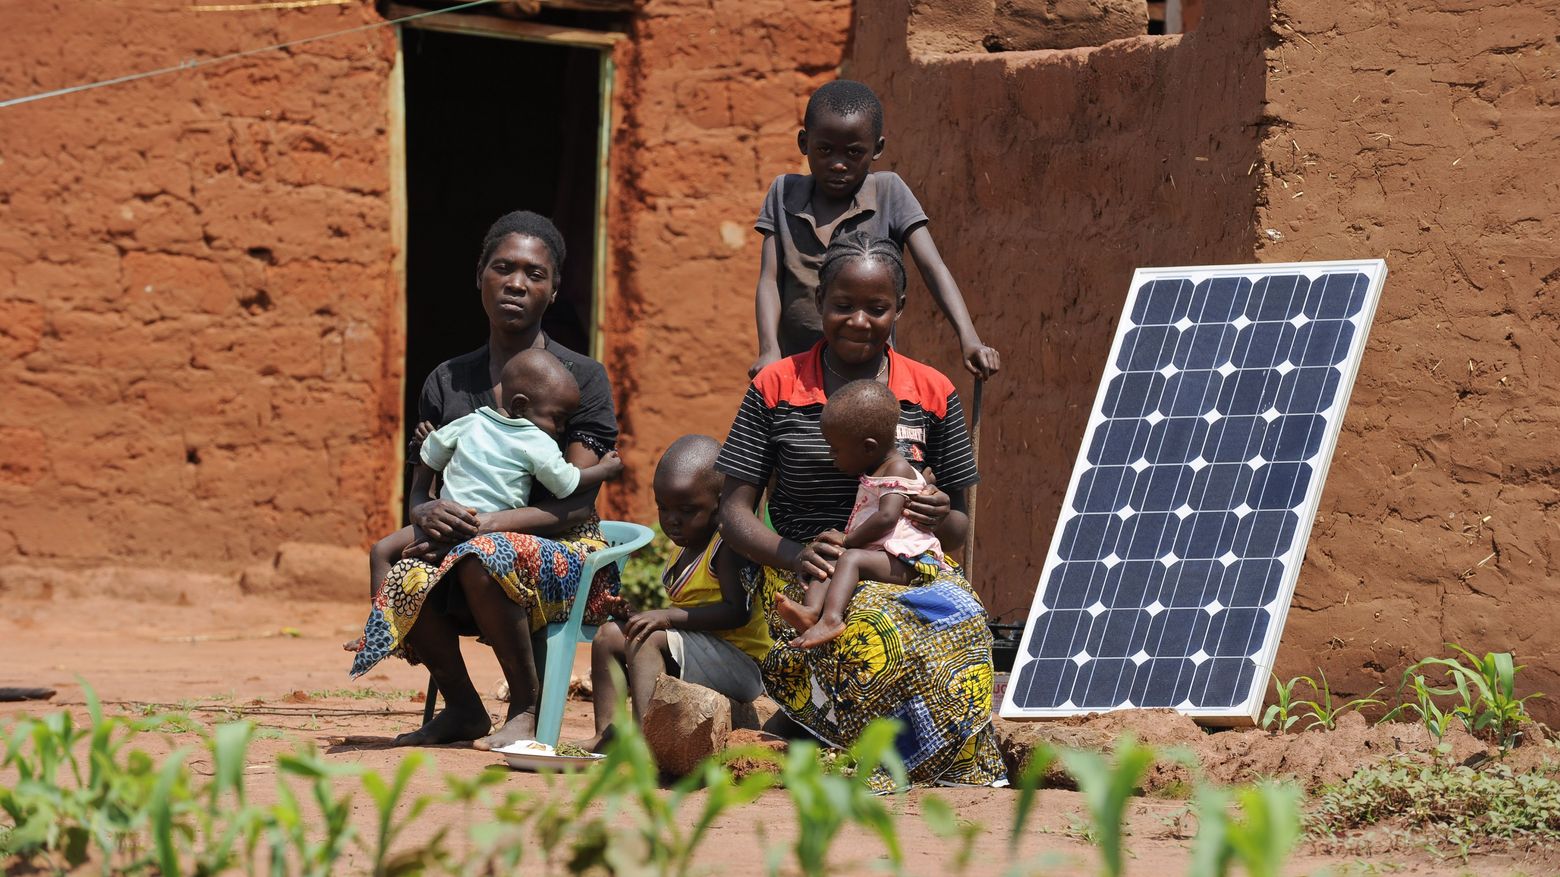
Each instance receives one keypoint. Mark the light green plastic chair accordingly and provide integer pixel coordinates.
(559, 640)
(557, 656)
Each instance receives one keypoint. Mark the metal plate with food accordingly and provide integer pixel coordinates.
(532, 755)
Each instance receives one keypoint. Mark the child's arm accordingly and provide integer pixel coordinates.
(766, 306)
(891, 507)
(562, 478)
(730, 613)
(610, 467)
(982, 361)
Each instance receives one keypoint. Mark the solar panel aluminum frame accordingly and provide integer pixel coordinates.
(1246, 712)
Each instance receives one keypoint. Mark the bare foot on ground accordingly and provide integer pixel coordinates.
(449, 726)
(826, 630)
(795, 614)
(521, 726)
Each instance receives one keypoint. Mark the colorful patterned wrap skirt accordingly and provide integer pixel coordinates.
(919, 653)
(542, 574)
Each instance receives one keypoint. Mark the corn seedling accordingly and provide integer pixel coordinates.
(1435, 720)
(1324, 713)
(825, 802)
(1486, 690)
(1280, 716)
(1040, 759)
(1106, 788)
(84, 798)
(1260, 838)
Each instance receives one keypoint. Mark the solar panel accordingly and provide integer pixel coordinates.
(1185, 522)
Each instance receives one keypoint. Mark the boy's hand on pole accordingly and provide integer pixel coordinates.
(981, 360)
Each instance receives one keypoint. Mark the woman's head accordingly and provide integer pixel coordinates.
(518, 273)
(861, 293)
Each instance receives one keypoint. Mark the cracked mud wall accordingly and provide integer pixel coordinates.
(1049, 176)
(199, 352)
(1424, 133)
(1419, 132)
(714, 97)
(201, 341)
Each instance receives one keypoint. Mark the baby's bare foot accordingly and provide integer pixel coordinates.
(826, 630)
(795, 614)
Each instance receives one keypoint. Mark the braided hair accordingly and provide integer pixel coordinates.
(524, 222)
(860, 245)
(845, 97)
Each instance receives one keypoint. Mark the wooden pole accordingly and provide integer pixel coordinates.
(969, 537)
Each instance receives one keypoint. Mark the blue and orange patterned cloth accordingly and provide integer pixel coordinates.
(542, 574)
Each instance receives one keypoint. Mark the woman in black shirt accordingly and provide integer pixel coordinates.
(511, 572)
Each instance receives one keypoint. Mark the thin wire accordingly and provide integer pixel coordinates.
(279, 4)
(194, 64)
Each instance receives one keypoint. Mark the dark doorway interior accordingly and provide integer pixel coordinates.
(493, 125)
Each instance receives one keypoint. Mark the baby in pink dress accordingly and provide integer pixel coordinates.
(882, 545)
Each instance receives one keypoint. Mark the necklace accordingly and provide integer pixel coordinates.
(881, 367)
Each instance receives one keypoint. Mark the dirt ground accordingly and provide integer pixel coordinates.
(282, 663)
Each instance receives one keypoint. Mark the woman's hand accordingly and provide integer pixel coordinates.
(815, 561)
(930, 507)
(446, 521)
(642, 624)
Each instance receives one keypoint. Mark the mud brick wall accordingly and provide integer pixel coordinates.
(1049, 176)
(714, 98)
(198, 353)
(201, 340)
(1433, 146)
(1301, 129)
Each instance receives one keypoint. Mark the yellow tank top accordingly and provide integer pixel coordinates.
(699, 586)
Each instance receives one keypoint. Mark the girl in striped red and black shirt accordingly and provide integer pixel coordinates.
(920, 652)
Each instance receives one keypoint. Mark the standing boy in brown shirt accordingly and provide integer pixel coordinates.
(802, 213)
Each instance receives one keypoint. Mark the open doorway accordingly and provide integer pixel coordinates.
(494, 125)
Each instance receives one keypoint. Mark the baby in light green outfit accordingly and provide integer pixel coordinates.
(488, 459)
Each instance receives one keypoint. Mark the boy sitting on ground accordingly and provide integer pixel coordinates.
(488, 459)
(841, 137)
(881, 544)
(711, 635)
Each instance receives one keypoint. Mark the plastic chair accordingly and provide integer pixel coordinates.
(559, 640)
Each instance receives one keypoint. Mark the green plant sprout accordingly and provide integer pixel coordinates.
(1106, 788)
(1260, 838)
(1324, 713)
(1486, 691)
(1435, 720)
(1280, 716)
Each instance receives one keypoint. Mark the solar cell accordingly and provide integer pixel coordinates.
(1178, 545)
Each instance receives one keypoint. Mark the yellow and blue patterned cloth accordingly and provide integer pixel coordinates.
(919, 653)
